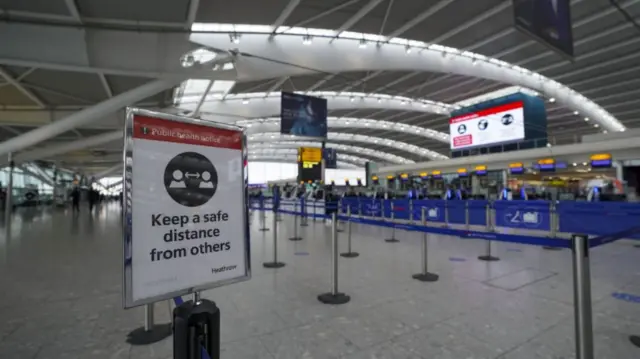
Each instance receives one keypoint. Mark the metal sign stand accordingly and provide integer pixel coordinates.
(349, 253)
(490, 228)
(275, 263)
(303, 213)
(295, 224)
(425, 276)
(263, 216)
(334, 297)
(393, 238)
(582, 297)
(339, 225)
(150, 332)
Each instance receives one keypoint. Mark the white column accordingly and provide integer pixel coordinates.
(619, 170)
(85, 116)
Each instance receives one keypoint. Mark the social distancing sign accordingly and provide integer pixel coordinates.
(186, 184)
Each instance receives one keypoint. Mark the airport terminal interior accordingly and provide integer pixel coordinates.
(319, 179)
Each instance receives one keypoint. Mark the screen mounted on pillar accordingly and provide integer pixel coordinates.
(185, 225)
(500, 124)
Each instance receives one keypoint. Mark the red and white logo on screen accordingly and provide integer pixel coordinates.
(504, 123)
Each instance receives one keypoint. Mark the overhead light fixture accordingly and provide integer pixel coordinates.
(605, 131)
(234, 38)
(474, 62)
(552, 100)
(574, 164)
(586, 119)
(584, 163)
(403, 102)
(352, 99)
(576, 113)
(363, 44)
(245, 101)
(596, 125)
(379, 100)
(306, 40)
(548, 145)
(407, 49)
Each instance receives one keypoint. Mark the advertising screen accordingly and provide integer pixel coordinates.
(330, 158)
(549, 21)
(498, 124)
(302, 115)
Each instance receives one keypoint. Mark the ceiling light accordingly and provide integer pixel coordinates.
(586, 119)
(306, 40)
(474, 62)
(379, 100)
(574, 164)
(605, 131)
(596, 125)
(245, 101)
(407, 50)
(552, 100)
(584, 163)
(403, 102)
(352, 99)
(548, 145)
(576, 113)
(363, 44)
(234, 38)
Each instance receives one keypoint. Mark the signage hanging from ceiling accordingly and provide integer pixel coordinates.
(481, 170)
(302, 115)
(500, 124)
(185, 225)
(516, 168)
(601, 160)
(548, 21)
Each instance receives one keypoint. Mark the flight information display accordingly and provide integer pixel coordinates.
(500, 124)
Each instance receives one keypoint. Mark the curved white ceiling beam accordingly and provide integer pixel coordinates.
(272, 124)
(360, 161)
(288, 56)
(257, 157)
(383, 156)
(265, 104)
(348, 137)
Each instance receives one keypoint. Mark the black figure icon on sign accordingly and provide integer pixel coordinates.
(507, 119)
(483, 124)
(190, 179)
(462, 129)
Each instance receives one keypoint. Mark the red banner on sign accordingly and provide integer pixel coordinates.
(487, 112)
(156, 129)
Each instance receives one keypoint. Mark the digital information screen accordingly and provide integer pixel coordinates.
(309, 164)
(309, 154)
(499, 124)
(302, 115)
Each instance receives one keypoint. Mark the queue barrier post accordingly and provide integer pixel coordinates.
(467, 225)
(303, 212)
(334, 297)
(263, 216)
(275, 263)
(411, 211)
(150, 332)
(490, 228)
(393, 238)
(425, 276)
(553, 226)
(315, 203)
(196, 329)
(582, 297)
(349, 253)
(295, 223)
(446, 214)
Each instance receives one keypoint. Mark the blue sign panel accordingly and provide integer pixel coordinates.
(373, 208)
(330, 158)
(434, 210)
(457, 212)
(478, 212)
(302, 115)
(600, 218)
(523, 214)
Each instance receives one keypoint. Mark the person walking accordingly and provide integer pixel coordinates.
(75, 199)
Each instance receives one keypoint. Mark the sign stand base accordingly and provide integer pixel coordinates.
(295, 238)
(140, 336)
(635, 340)
(637, 246)
(334, 299)
(264, 229)
(426, 277)
(273, 265)
(349, 254)
(489, 258)
(391, 240)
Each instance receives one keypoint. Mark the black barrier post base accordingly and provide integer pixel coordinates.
(264, 229)
(489, 258)
(196, 330)
(334, 299)
(551, 248)
(426, 277)
(349, 254)
(295, 238)
(635, 340)
(140, 336)
(273, 265)
(637, 246)
(391, 240)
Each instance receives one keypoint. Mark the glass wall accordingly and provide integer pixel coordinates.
(263, 172)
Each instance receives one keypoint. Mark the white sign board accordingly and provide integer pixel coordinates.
(185, 225)
(499, 124)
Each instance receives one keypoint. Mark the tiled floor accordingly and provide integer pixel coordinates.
(61, 297)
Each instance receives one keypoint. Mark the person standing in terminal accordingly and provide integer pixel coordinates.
(75, 199)
(92, 198)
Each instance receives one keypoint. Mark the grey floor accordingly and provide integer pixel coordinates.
(61, 297)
